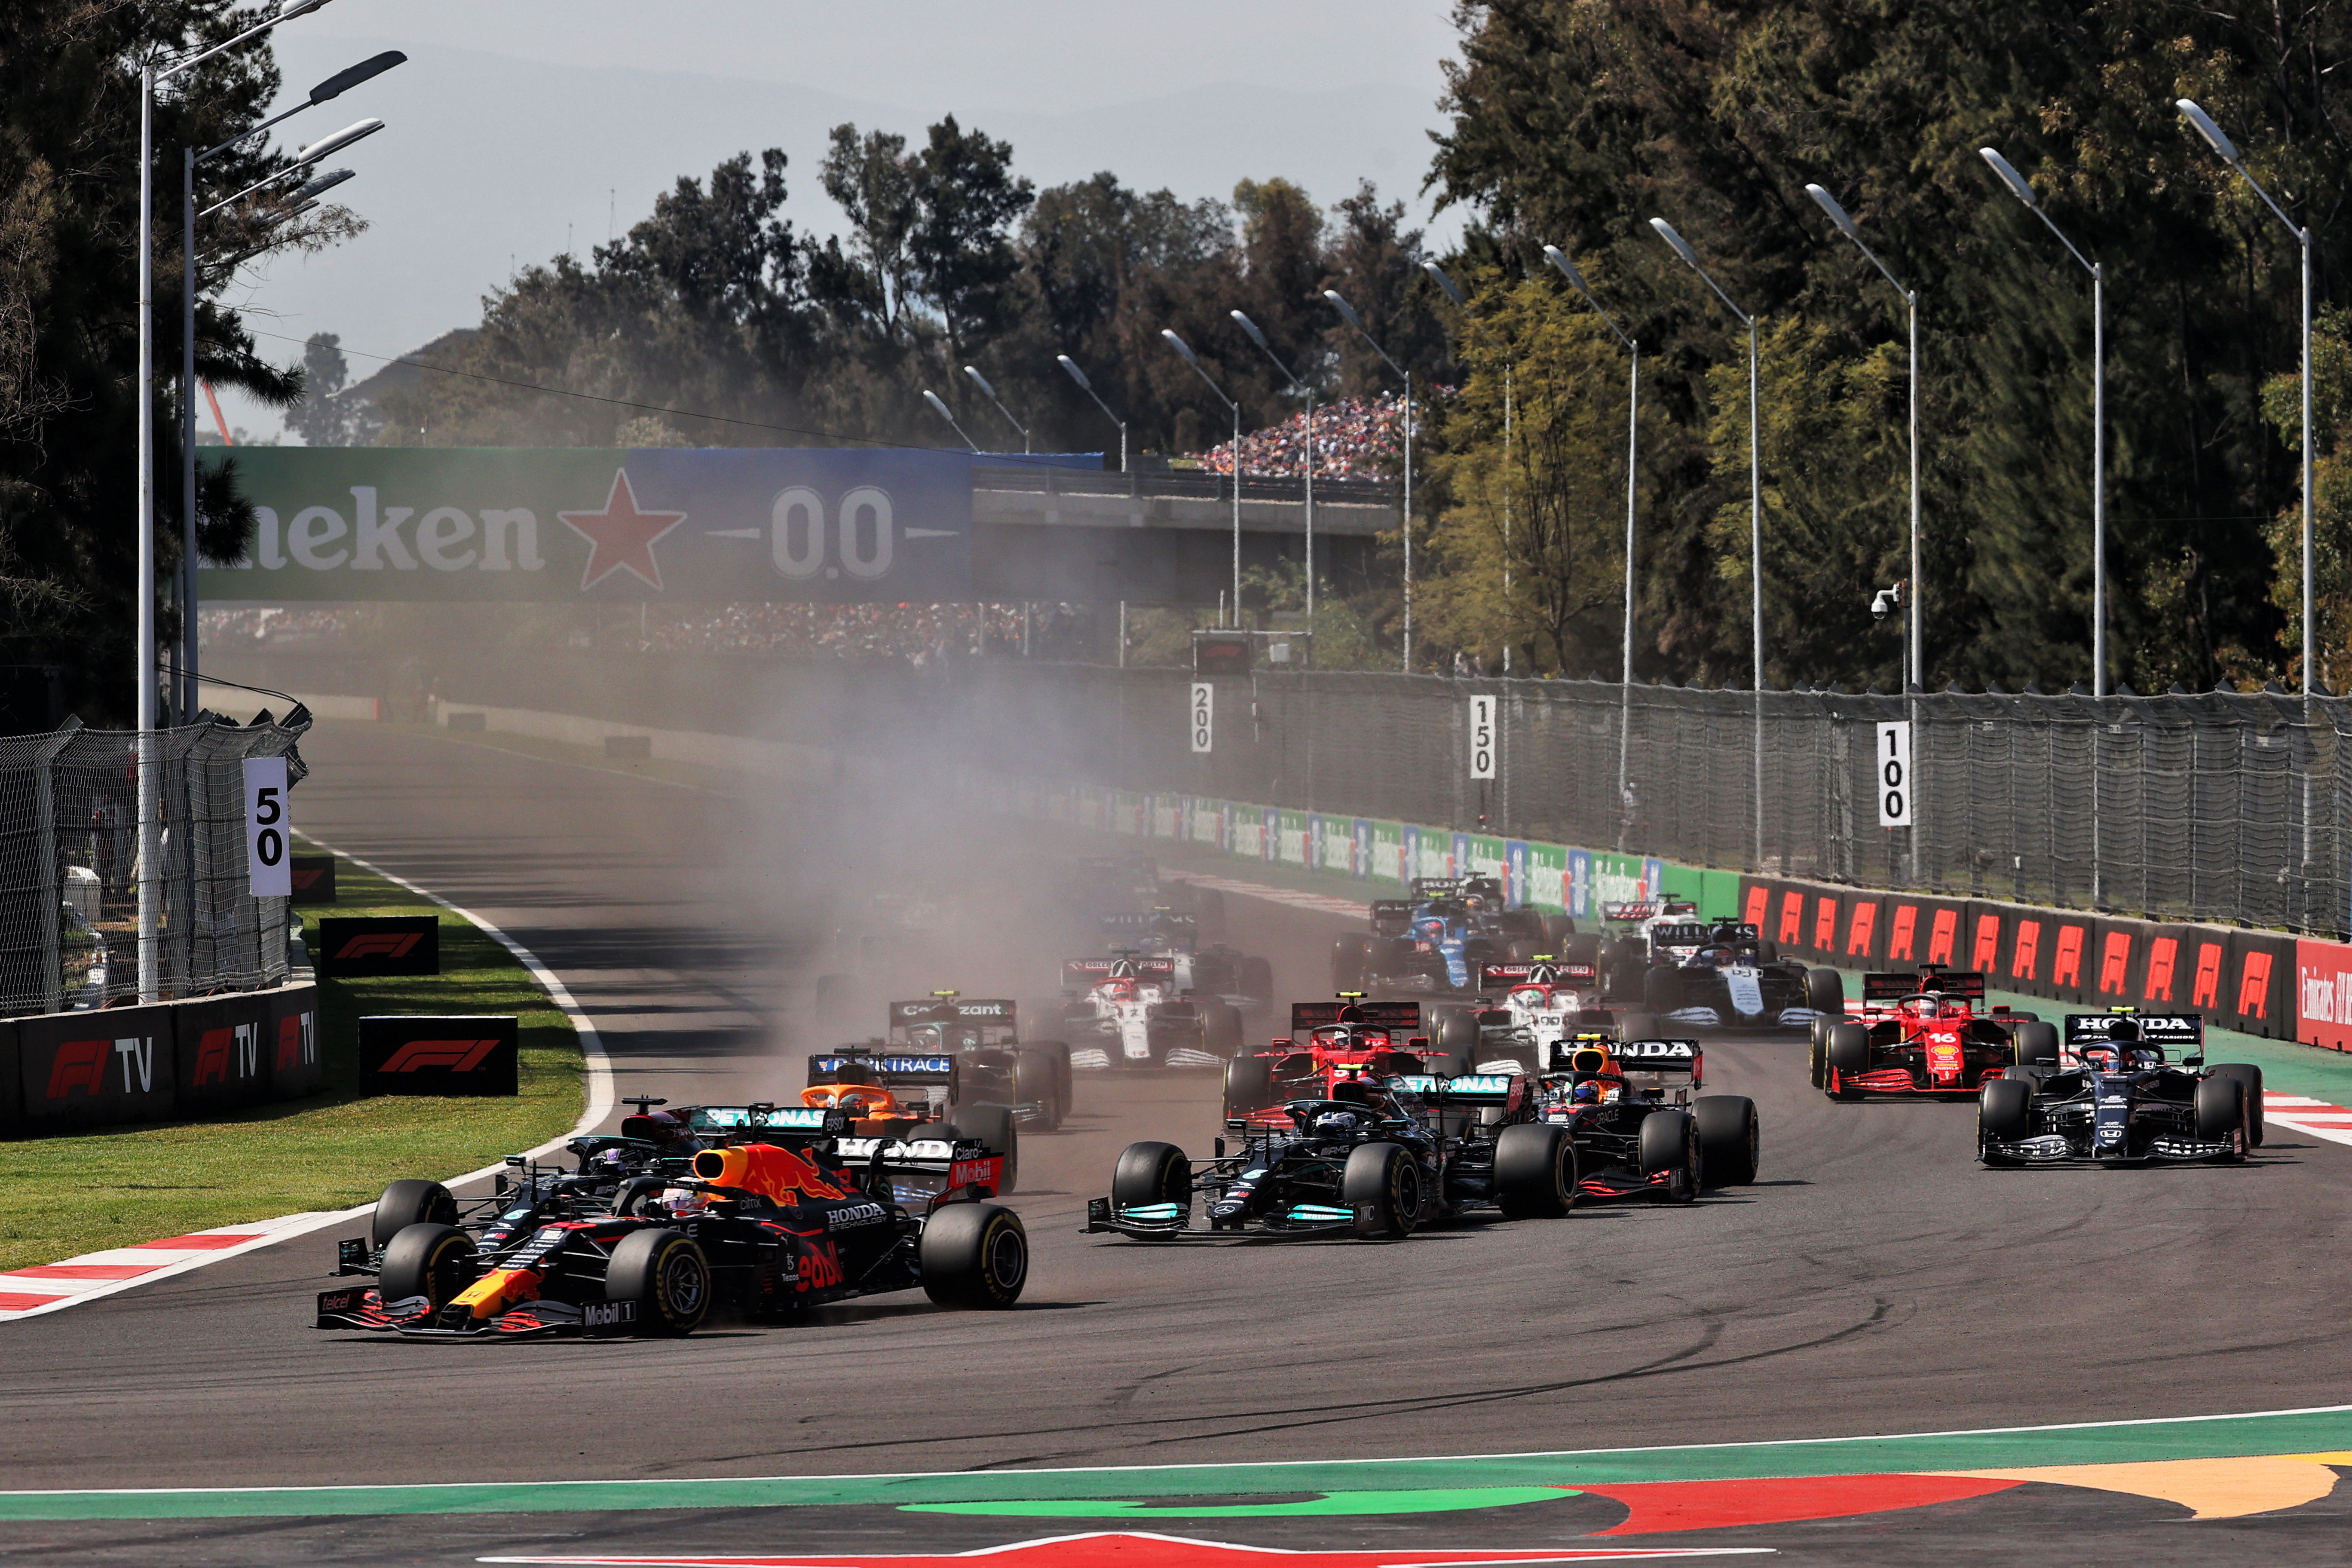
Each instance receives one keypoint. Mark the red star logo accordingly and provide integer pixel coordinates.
(621, 537)
(1126, 1551)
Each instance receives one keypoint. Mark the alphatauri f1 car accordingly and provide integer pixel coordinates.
(2115, 1097)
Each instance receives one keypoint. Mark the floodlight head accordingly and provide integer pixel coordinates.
(1181, 346)
(979, 380)
(940, 408)
(1453, 293)
(1347, 311)
(1558, 258)
(293, 8)
(1251, 328)
(1077, 374)
(339, 141)
(1828, 204)
(2011, 177)
(2213, 134)
(1682, 247)
(323, 182)
(351, 76)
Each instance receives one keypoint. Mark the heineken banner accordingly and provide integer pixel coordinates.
(725, 525)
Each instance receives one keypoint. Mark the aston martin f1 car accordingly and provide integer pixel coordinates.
(1374, 1157)
(1728, 980)
(1331, 1043)
(994, 1066)
(766, 1230)
(1130, 1011)
(1925, 1032)
(1436, 940)
(2115, 1098)
(1641, 1128)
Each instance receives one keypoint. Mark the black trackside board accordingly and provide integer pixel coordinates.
(1396, 1017)
(1964, 982)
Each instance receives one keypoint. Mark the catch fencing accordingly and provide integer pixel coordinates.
(71, 867)
(2223, 807)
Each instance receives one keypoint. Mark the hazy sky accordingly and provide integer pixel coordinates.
(518, 127)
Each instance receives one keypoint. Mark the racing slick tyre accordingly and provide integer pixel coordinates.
(1385, 1179)
(1036, 1081)
(405, 1203)
(1151, 1174)
(1457, 1035)
(1728, 1135)
(1580, 947)
(1535, 1171)
(1658, 990)
(2251, 1076)
(1209, 911)
(429, 1260)
(2004, 1112)
(1825, 991)
(1221, 1028)
(974, 1255)
(1847, 1050)
(1350, 962)
(1249, 1085)
(2221, 1109)
(1670, 1143)
(665, 1274)
(1257, 981)
(1559, 939)
(2036, 1044)
(994, 1128)
(1817, 1058)
(1637, 1024)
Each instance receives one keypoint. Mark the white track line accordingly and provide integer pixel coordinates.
(71, 1290)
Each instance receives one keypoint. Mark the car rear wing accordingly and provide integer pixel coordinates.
(890, 1070)
(2181, 1031)
(1965, 983)
(789, 1126)
(1427, 887)
(1665, 1058)
(1502, 976)
(1647, 909)
(1392, 917)
(1401, 1019)
(1149, 922)
(920, 1169)
(1085, 974)
(1469, 1088)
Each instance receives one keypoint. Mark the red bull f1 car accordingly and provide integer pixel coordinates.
(2127, 1090)
(763, 1229)
(1925, 1032)
(1641, 1128)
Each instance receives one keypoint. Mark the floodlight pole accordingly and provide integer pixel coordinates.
(1181, 347)
(1067, 364)
(1353, 319)
(1308, 393)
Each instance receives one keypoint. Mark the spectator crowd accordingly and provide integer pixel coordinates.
(1357, 439)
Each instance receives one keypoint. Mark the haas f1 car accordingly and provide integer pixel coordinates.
(1721, 975)
(763, 1229)
(1436, 940)
(2116, 1098)
(1926, 1034)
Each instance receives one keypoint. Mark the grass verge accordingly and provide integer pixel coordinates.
(78, 1193)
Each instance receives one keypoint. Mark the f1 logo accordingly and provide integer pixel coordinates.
(79, 1064)
(297, 1046)
(391, 944)
(458, 1056)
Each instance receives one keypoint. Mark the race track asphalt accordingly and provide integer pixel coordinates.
(1873, 1279)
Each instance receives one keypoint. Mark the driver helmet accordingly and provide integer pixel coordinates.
(668, 1131)
(1474, 900)
(1336, 1123)
(1586, 1094)
(1931, 1007)
(612, 1162)
(680, 1201)
(1433, 927)
(1715, 957)
(1120, 990)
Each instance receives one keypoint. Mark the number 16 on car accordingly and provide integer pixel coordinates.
(1895, 775)
(267, 864)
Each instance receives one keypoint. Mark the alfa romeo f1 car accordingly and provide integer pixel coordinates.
(1540, 1004)
(1436, 940)
(1721, 975)
(1375, 1157)
(1641, 1128)
(2115, 1099)
(765, 1228)
(1130, 1011)
(1243, 983)
(1925, 1032)
(1331, 1043)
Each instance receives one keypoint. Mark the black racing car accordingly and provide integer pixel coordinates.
(993, 1065)
(765, 1229)
(1641, 1131)
(1380, 1157)
(1731, 979)
(2114, 1098)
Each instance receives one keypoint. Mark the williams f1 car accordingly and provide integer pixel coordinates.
(2115, 1097)
(765, 1229)
(1722, 976)
(1925, 1032)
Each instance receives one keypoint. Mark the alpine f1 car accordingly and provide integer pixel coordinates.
(1540, 1004)
(764, 1228)
(1641, 1128)
(2115, 1098)
(1925, 1032)
(1723, 977)
(1374, 1157)
(1130, 1011)
(994, 1066)
(1331, 1043)
(1436, 940)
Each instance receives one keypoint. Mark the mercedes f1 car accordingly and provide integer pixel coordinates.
(1642, 1129)
(764, 1228)
(1331, 1043)
(1374, 1157)
(2115, 1097)
(1722, 976)
(1436, 940)
(1130, 1011)
(1925, 1032)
